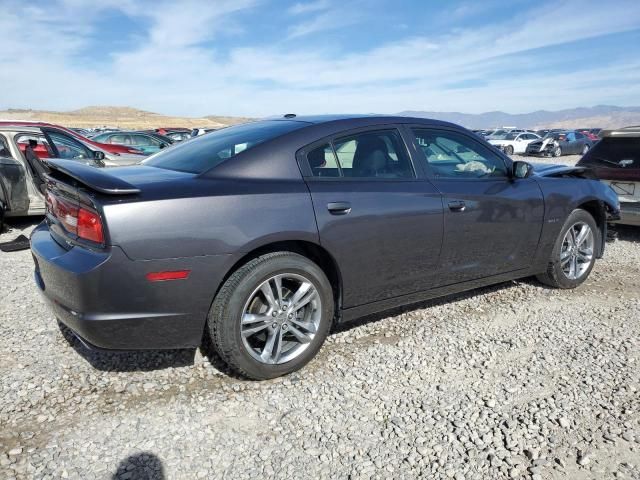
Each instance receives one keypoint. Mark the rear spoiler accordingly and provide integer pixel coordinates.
(95, 178)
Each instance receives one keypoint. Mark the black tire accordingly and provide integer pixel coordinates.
(224, 320)
(554, 275)
(557, 151)
(508, 150)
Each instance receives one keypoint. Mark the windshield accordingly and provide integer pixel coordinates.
(207, 151)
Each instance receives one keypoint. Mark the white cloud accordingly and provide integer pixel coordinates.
(171, 71)
(307, 7)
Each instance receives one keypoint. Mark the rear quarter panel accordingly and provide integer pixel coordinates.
(214, 217)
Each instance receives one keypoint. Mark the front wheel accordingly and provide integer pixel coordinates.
(508, 150)
(557, 152)
(585, 149)
(574, 253)
(272, 315)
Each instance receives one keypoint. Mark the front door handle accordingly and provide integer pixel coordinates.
(339, 208)
(457, 206)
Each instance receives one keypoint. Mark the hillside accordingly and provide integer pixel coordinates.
(604, 116)
(121, 117)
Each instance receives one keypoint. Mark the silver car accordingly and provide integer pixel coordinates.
(24, 152)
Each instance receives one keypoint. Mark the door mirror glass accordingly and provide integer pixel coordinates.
(98, 155)
(522, 169)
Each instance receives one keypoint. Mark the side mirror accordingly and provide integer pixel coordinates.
(98, 155)
(163, 145)
(522, 169)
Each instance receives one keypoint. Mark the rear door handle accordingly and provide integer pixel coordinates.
(339, 208)
(457, 206)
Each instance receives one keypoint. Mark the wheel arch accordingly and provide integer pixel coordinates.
(313, 251)
(597, 209)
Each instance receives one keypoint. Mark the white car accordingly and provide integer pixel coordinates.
(514, 142)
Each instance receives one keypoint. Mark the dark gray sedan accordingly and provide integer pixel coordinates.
(264, 235)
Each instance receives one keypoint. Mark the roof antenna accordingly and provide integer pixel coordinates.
(289, 115)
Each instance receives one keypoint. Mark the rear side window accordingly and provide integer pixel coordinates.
(379, 154)
(323, 162)
(207, 151)
(614, 152)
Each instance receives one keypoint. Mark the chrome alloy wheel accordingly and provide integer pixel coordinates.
(281, 318)
(576, 252)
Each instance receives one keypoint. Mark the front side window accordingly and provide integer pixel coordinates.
(453, 155)
(69, 148)
(207, 151)
(379, 154)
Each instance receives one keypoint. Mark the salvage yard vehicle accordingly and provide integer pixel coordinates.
(24, 153)
(145, 142)
(514, 142)
(555, 144)
(261, 236)
(616, 161)
(113, 149)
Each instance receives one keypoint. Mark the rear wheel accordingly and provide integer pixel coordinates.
(574, 253)
(272, 315)
(585, 149)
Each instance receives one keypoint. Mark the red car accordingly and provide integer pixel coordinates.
(589, 133)
(111, 148)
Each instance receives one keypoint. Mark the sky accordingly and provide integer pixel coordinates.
(267, 57)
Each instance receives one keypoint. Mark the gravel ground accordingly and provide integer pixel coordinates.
(511, 381)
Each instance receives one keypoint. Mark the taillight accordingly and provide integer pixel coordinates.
(90, 226)
(76, 219)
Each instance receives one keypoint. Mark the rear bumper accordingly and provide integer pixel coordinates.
(105, 298)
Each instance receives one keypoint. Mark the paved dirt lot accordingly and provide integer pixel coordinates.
(511, 381)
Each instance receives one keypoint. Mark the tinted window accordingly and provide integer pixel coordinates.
(323, 162)
(378, 154)
(453, 155)
(207, 151)
(610, 152)
(579, 135)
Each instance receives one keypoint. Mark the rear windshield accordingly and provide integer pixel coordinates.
(207, 151)
(613, 151)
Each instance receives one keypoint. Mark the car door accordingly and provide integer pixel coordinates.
(378, 217)
(68, 148)
(492, 222)
(571, 144)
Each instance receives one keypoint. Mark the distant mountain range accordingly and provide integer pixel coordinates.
(122, 117)
(603, 116)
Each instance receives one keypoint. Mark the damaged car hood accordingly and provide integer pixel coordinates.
(551, 170)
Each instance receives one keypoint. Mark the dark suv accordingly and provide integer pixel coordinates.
(616, 160)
